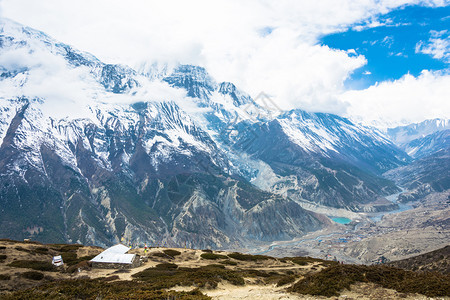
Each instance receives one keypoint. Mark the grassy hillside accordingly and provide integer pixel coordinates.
(26, 273)
(436, 261)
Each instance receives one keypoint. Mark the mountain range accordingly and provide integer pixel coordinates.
(95, 153)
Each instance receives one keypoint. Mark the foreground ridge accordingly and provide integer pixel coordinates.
(26, 272)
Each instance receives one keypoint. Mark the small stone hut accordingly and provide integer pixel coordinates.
(116, 257)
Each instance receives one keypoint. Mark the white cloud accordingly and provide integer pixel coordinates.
(68, 91)
(437, 46)
(46, 76)
(409, 99)
(230, 38)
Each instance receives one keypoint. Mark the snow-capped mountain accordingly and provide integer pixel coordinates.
(321, 158)
(429, 144)
(92, 152)
(421, 139)
(402, 135)
(114, 167)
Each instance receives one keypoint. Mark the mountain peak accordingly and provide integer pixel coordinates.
(195, 79)
(239, 98)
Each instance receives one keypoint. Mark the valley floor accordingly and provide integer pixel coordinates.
(423, 228)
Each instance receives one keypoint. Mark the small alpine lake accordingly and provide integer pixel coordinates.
(341, 220)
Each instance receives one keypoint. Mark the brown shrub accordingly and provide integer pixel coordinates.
(110, 278)
(33, 275)
(33, 264)
(67, 248)
(5, 277)
(82, 265)
(163, 255)
(166, 266)
(19, 248)
(41, 250)
(248, 257)
(212, 256)
(99, 289)
(286, 280)
(208, 276)
(172, 252)
(228, 262)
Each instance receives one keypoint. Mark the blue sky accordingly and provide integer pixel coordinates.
(396, 46)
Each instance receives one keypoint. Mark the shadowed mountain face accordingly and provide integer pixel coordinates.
(423, 176)
(428, 143)
(228, 173)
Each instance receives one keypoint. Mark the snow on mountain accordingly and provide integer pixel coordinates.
(422, 139)
(404, 134)
(326, 132)
(429, 144)
(319, 158)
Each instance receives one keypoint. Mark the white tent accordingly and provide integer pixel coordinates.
(116, 255)
(57, 261)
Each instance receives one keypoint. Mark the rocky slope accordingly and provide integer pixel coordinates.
(423, 176)
(429, 144)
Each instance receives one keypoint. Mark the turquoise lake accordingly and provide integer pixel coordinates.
(341, 220)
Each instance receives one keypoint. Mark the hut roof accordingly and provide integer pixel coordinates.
(115, 254)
